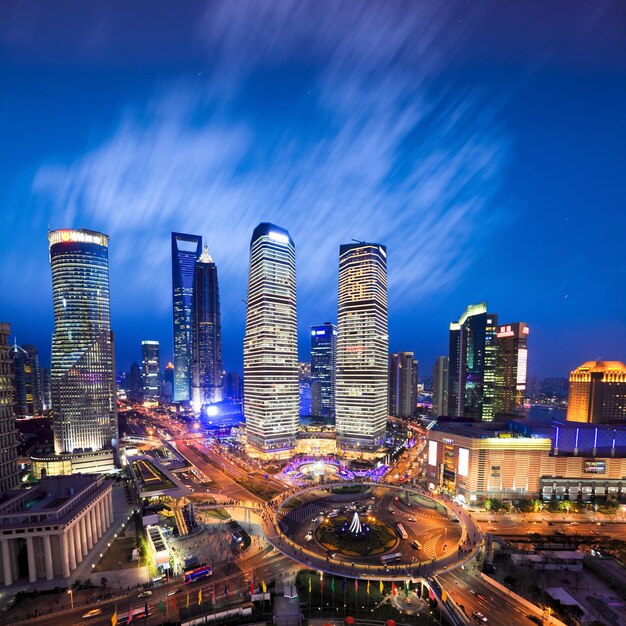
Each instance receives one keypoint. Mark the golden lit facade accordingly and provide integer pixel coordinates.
(483, 465)
(84, 414)
(511, 367)
(597, 393)
(362, 348)
(270, 351)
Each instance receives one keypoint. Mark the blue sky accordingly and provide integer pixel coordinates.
(482, 142)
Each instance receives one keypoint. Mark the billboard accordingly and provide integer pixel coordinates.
(463, 462)
(432, 453)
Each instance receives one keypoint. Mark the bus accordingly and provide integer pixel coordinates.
(386, 559)
(196, 573)
(401, 531)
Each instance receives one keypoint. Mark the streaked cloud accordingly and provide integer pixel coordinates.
(375, 148)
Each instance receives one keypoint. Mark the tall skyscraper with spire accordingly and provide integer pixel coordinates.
(362, 347)
(185, 251)
(84, 412)
(270, 349)
(206, 335)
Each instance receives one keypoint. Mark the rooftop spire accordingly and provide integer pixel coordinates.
(205, 257)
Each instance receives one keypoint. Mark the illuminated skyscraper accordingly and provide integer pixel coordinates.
(185, 251)
(440, 386)
(84, 413)
(597, 393)
(402, 384)
(151, 369)
(472, 364)
(511, 366)
(26, 381)
(8, 433)
(362, 347)
(270, 349)
(323, 369)
(206, 335)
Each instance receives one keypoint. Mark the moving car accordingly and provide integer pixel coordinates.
(479, 617)
(145, 594)
(92, 613)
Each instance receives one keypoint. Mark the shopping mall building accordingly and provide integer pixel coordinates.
(525, 459)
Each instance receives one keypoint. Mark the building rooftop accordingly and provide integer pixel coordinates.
(601, 366)
(51, 500)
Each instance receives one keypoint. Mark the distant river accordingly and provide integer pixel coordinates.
(545, 415)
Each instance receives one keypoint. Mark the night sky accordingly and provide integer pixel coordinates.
(483, 142)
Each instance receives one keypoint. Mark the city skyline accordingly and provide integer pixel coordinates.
(434, 160)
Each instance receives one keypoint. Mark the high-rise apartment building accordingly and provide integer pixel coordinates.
(440, 386)
(84, 412)
(270, 349)
(597, 393)
(207, 384)
(151, 369)
(8, 433)
(26, 381)
(323, 369)
(402, 384)
(185, 251)
(511, 367)
(472, 364)
(362, 347)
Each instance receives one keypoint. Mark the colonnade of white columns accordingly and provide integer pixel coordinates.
(74, 543)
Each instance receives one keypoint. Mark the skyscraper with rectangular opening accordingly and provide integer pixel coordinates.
(270, 349)
(84, 412)
(186, 249)
(362, 347)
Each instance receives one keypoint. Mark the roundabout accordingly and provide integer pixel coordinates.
(362, 529)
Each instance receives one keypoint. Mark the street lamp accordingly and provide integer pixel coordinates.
(71, 592)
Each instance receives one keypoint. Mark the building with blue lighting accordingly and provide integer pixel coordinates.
(186, 249)
(323, 366)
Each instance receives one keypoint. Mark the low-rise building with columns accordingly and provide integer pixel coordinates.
(47, 531)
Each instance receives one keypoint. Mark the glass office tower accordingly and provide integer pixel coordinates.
(511, 368)
(323, 369)
(472, 364)
(440, 386)
(185, 251)
(270, 349)
(151, 370)
(206, 335)
(362, 347)
(84, 414)
(9, 474)
(26, 380)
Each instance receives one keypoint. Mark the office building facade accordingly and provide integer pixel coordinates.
(186, 249)
(84, 412)
(8, 433)
(323, 369)
(511, 368)
(472, 364)
(362, 348)
(207, 384)
(151, 369)
(270, 352)
(597, 393)
(26, 381)
(440, 386)
(402, 384)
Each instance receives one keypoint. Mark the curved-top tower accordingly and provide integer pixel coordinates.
(84, 415)
(270, 349)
